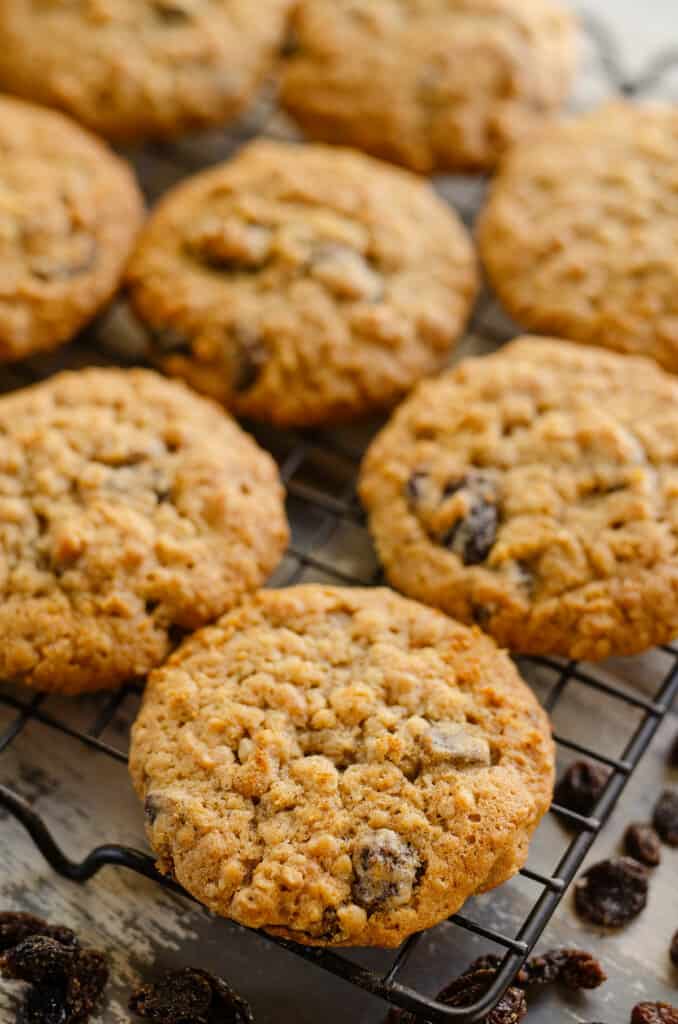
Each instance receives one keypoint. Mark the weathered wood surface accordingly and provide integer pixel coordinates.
(87, 799)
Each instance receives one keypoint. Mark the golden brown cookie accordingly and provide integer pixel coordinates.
(431, 84)
(302, 284)
(130, 68)
(131, 510)
(580, 236)
(340, 766)
(535, 492)
(69, 214)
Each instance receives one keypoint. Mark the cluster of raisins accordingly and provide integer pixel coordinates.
(614, 891)
(66, 982)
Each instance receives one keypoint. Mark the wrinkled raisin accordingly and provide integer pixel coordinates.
(386, 869)
(642, 843)
(673, 950)
(472, 537)
(673, 753)
(190, 996)
(665, 817)
(612, 892)
(580, 787)
(573, 968)
(15, 927)
(470, 987)
(38, 960)
(45, 1004)
(654, 1013)
(66, 981)
(85, 984)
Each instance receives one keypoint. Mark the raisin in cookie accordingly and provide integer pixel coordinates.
(130, 510)
(340, 766)
(302, 284)
(69, 213)
(130, 68)
(535, 492)
(580, 236)
(431, 84)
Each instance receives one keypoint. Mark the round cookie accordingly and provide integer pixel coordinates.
(69, 214)
(580, 235)
(535, 492)
(134, 68)
(302, 284)
(131, 510)
(340, 766)
(431, 84)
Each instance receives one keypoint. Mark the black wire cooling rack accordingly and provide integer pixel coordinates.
(319, 470)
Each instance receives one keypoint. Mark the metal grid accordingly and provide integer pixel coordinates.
(319, 470)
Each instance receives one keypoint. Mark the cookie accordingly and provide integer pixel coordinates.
(302, 284)
(431, 84)
(131, 511)
(535, 492)
(69, 213)
(340, 766)
(580, 235)
(135, 68)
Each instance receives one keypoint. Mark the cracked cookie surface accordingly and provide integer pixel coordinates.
(535, 492)
(130, 510)
(69, 214)
(580, 234)
(340, 766)
(303, 284)
(134, 68)
(431, 84)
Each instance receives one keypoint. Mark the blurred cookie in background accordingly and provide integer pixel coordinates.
(431, 84)
(136, 68)
(69, 213)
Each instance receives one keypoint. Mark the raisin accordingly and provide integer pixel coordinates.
(45, 1004)
(642, 843)
(85, 985)
(152, 807)
(250, 357)
(170, 13)
(15, 927)
(472, 537)
(654, 1013)
(470, 987)
(386, 870)
(574, 968)
(612, 892)
(190, 996)
(673, 950)
(38, 960)
(180, 997)
(665, 817)
(580, 787)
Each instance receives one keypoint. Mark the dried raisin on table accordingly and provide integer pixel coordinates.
(45, 1004)
(574, 968)
(580, 787)
(612, 892)
(643, 844)
(15, 927)
(190, 996)
(654, 1013)
(665, 817)
(85, 984)
(37, 960)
